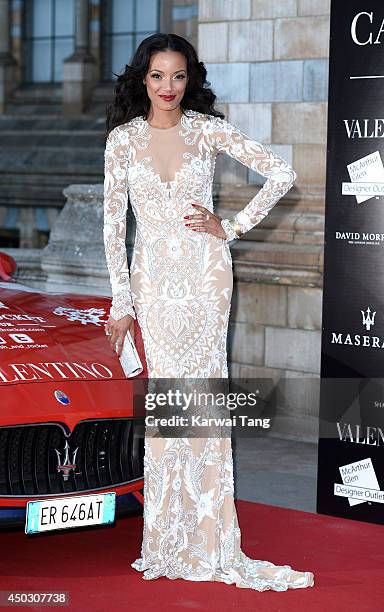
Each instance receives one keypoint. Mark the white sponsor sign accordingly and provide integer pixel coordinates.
(358, 477)
(368, 169)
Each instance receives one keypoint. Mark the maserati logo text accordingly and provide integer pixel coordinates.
(368, 321)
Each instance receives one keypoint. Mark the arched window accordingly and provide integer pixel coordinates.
(127, 23)
(50, 27)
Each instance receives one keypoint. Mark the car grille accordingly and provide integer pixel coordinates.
(110, 452)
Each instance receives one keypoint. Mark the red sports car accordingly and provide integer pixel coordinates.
(71, 447)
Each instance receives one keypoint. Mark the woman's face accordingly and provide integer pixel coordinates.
(166, 76)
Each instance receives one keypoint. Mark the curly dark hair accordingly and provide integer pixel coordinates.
(131, 98)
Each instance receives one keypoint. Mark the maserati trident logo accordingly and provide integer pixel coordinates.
(68, 465)
(364, 339)
(368, 318)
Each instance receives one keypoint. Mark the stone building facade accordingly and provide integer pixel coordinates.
(267, 61)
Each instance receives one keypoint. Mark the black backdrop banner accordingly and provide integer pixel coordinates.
(351, 432)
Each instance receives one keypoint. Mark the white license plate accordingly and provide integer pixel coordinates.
(67, 512)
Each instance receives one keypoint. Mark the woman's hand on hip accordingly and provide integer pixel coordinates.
(205, 221)
(117, 330)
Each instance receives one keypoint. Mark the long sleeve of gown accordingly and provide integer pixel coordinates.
(115, 221)
(256, 156)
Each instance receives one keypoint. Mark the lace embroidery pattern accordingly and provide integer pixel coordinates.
(191, 529)
(115, 210)
(212, 135)
(180, 288)
(280, 175)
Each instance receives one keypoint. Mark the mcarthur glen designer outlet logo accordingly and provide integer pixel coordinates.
(364, 340)
(367, 178)
(360, 483)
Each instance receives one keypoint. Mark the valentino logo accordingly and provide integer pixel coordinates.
(364, 128)
(50, 370)
(68, 465)
(368, 318)
(357, 434)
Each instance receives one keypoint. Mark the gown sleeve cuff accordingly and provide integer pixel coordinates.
(117, 312)
(231, 228)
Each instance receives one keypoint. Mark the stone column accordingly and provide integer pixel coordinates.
(80, 69)
(7, 62)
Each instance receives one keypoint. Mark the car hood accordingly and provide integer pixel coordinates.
(47, 337)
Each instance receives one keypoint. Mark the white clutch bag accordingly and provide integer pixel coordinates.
(129, 358)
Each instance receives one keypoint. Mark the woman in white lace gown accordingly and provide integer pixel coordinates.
(179, 287)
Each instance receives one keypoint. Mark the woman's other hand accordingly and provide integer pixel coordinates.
(205, 221)
(117, 330)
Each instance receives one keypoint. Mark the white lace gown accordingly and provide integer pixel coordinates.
(179, 287)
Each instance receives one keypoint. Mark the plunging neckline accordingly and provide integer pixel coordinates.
(167, 185)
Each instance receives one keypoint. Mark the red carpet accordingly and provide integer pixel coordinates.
(346, 557)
